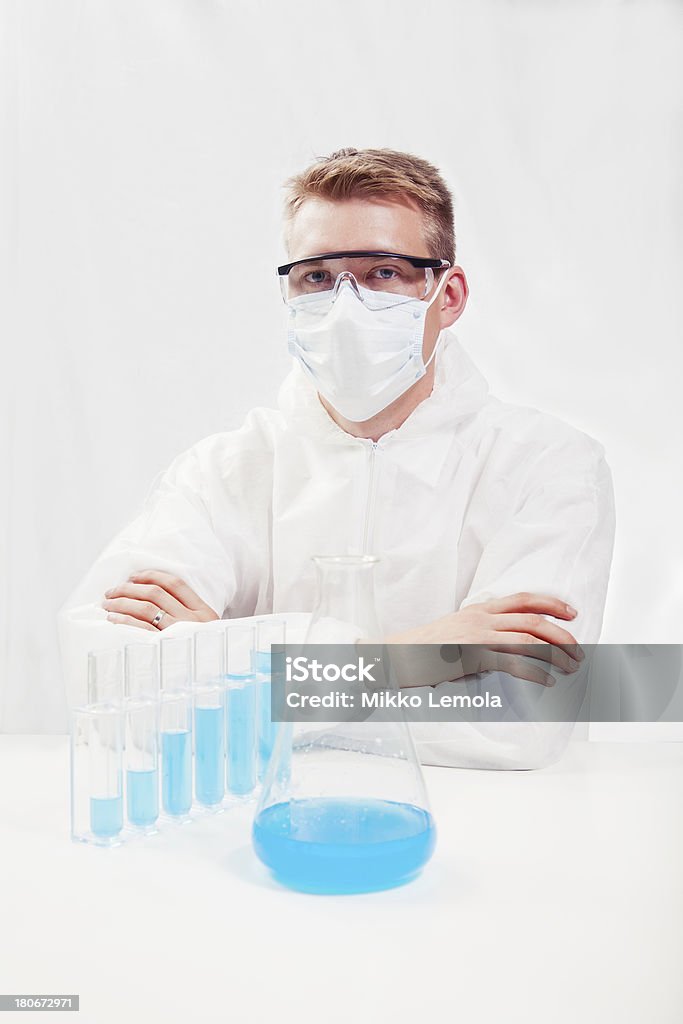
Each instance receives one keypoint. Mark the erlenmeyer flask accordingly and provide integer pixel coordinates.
(343, 807)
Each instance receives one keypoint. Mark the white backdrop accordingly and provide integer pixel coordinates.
(143, 148)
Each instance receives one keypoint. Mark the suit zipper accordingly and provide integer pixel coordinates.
(372, 488)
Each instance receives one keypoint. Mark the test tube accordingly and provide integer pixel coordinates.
(97, 774)
(176, 726)
(240, 709)
(141, 674)
(209, 718)
(97, 750)
(268, 632)
(105, 677)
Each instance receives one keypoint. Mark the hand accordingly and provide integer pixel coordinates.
(139, 600)
(498, 628)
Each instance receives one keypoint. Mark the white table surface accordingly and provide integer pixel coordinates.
(553, 896)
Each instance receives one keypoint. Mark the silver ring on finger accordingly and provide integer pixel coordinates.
(157, 618)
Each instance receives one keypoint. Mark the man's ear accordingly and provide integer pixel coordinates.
(454, 297)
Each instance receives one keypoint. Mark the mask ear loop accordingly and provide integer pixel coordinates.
(433, 299)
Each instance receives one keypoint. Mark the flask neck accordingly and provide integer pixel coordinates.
(346, 593)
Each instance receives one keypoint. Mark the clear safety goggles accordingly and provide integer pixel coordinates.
(392, 277)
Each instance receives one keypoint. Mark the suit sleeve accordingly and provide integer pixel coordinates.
(558, 537)
(197, 523)
(557, 540)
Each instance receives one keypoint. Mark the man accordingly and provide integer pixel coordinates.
(493, 523)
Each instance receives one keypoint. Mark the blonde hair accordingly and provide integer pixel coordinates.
(352, 173)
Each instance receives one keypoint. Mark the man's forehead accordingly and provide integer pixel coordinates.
(382, 224)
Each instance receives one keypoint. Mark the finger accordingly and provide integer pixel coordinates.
(142, 610)
(539, 603)
(128, 620)
(537, 626)
(150, 592)
(565, 656)
(538, 649)
(514, 665)
(174, 586)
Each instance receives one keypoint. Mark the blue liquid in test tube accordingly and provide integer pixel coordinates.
(176, 777)
(267, 729)
(106, 816)
(209, 754)
(142, 796)
(240, 709)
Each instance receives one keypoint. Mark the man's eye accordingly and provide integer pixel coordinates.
(385, 273)
(315, 277)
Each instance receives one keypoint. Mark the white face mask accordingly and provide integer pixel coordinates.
(361, 360)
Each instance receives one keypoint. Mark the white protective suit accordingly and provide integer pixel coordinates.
(470, 498)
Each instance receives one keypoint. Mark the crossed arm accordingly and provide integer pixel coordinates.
(498, 625)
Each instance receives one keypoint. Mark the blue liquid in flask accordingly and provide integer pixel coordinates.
(240, 708)
(142, 796)
(209, 747)
(176, 776)
(106, 816)
(344, 846)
